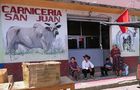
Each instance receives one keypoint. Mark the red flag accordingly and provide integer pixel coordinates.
(123, 18)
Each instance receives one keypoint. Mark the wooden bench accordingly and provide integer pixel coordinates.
(97, 73)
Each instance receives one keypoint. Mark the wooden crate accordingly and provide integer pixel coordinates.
(3, 75)
(65, 84)
(41, 74)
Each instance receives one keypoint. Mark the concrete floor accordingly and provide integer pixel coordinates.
(130, 87)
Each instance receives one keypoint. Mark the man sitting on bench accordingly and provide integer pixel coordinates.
(107, 67)
(87, 67)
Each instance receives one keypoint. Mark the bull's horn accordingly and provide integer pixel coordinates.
(48, 24)
(56, 23)
(58, 26)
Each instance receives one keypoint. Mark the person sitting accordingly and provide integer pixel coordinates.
(74, 68)
(108, 66)
(125, 71)
(87, 66)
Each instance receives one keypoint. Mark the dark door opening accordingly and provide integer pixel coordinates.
(82, 34)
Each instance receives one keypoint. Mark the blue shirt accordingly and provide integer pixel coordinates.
(108, 64)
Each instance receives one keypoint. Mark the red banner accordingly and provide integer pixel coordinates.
(124, 17)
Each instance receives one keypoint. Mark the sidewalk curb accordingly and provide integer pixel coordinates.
(119, 84)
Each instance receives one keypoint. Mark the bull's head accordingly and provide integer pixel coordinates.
(53, 28)
(127, 39)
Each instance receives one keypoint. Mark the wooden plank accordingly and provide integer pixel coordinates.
(10, 81)
(3, 75)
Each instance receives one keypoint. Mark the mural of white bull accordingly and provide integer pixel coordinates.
(37, 36)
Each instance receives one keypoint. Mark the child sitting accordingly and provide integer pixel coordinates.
(125, 70)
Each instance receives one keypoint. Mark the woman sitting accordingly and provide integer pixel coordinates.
(74, 68)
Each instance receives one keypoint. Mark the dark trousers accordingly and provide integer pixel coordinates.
(85, 72)
(75, 74)
(104, 71)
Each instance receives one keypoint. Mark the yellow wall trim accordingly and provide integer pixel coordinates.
(71, 6)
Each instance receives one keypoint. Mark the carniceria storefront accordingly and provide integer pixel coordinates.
(40, 30)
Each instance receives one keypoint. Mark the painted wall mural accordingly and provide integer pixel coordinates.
(32, 34)
(128, 42)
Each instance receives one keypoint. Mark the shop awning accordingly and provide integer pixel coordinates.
(128, 24)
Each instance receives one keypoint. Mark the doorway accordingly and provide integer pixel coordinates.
(84, 37)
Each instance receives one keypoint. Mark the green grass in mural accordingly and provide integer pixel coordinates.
(55, 51)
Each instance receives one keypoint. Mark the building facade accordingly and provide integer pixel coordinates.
(76, 27)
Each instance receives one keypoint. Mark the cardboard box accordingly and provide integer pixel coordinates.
(41, 74)
(3, 75)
